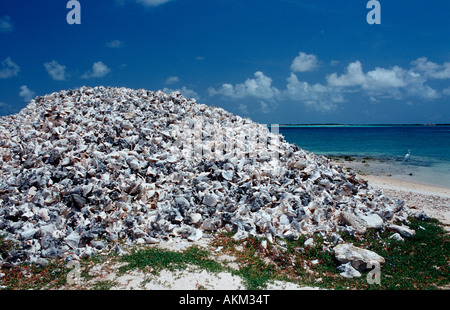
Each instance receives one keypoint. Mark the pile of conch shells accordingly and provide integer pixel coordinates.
(82, 170)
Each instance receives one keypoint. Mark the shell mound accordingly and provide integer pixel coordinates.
(82, 169)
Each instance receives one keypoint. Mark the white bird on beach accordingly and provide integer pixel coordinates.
(407, 155)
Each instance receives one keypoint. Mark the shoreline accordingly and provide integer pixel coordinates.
(400, 171)
(434, 200)
(399, 184)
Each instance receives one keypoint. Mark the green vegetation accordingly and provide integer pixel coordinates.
(421, 262)
(32, 277)
(157, 259)
(103, 285)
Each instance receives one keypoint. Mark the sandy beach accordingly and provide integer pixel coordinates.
(419, 196)
(433, 200)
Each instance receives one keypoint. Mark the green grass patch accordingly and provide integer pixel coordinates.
(420, 262)
(104, 285)
(33, 277)
(157, 259)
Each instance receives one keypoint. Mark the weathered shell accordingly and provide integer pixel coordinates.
(82, 166)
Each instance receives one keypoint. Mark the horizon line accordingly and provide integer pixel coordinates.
(367, 124)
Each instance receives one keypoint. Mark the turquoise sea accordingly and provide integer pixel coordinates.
(429, 162)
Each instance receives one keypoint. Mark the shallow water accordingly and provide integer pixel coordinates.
(429, 162)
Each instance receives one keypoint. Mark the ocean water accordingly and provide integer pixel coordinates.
(429, 162)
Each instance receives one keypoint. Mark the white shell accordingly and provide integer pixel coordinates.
(116, 163)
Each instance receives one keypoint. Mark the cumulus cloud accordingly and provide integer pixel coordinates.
(26, 93)
(172, 80)
(8, 69)
(381, 78)
(258, 87)
(375, 79)
(304, 62)
(55, 70)
(424, 92)
(6, 24)
(377, 84)
(302, 91)
(152, 2)
(353, 77)
(416, 86)
(430, 69)
(395, 82)
(99, 69)
(115, 44)
(319, 96)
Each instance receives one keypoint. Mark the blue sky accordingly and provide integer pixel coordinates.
(283, 61)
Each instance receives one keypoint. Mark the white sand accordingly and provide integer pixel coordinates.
(433, 200)
(192, 278)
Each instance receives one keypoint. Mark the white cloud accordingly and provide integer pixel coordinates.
(186, 92)
(379, 78)
(99, 69)
(172, 79)
(377, 84)
(415, 86)
(304, 62)
(354, 76)
(55, 70)
(302, 91)
(259, 87)
(322, 98)
(318, 96)
(8, 69)
(6, 24)
(226, 90)
(431, 69)
(115, 44)
(152, 2)
(423, 91)
(26, 93)
(393, 83)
